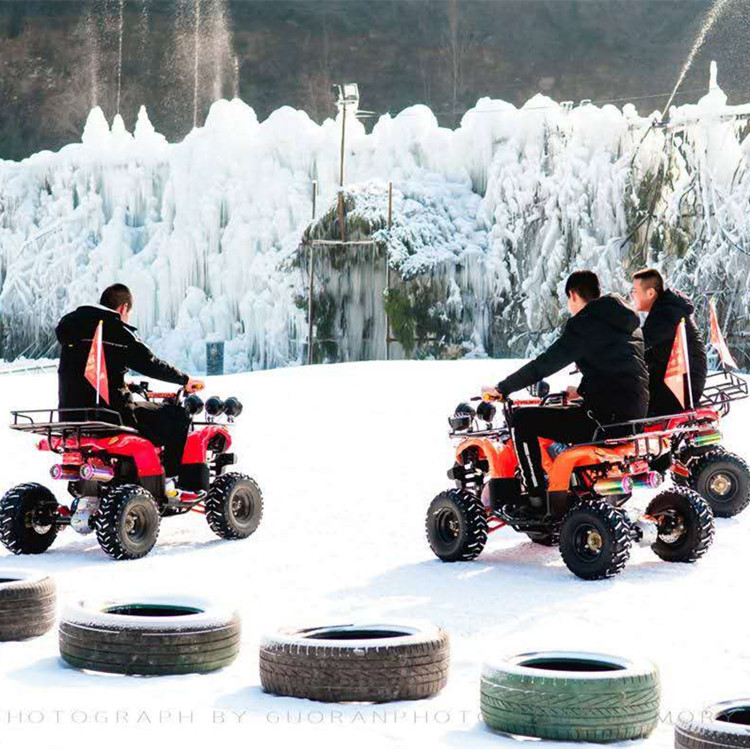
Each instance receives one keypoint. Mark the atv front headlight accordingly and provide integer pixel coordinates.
(214, 406)
(193, 404)
(462, 417)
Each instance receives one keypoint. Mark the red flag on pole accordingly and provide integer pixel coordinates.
(678, 369)
(717, 339)
(96, 367)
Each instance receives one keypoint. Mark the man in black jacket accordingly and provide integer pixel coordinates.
(603, 339)
(665, 309)
(165, 425)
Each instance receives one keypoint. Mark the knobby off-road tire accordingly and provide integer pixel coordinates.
(148, 637)
(571, 696)
(356, 663)
(234, 506)
(27, 604)
(686, 524)
(595, 540)
(456, 526)
(723, 480)
(127, 524)
(24, 524)
(725, 725)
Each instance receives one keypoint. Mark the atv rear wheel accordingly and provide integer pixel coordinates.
(456, 526)
(127, 524)
(686, 524)
(595, 540)
(27, 519)
(234, 506)
(723, 480)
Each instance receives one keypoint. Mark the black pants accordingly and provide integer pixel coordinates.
(165, 425)
(570, 424)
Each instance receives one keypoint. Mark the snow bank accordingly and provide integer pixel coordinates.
(488, 220)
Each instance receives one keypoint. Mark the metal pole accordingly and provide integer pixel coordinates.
(343, 138)
(341, 174)
(310, 298)
(388, 276)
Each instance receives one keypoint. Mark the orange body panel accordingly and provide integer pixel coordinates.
(503, 463)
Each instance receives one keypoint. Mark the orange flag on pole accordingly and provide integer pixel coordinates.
(717, 339)
(96, 367)
(678, 368)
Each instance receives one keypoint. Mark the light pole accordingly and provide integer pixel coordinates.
(347, 98)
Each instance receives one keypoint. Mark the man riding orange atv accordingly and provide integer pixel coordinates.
(589, 485)
(533, 480)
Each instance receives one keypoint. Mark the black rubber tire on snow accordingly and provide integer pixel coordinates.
(234, 506)
(121, 506)
(723, 480)
(356, 663)
(725, 725)
(571, 697)
(456, 526)
(686, 524)
(595, 540)
(148, 637)
(17, 508)
(27, 604)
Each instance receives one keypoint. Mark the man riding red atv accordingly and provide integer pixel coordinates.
(117, 480)
(128, 463)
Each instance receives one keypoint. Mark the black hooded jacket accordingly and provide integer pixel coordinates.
(123, 350)
(605, 342)
(658, 334)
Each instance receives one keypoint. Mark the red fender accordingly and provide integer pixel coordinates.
(196, 446)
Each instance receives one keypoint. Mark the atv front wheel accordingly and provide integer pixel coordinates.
(27, 519)
(595, 540)
(456, 526)
(723, 480)
(234, 506)
(127, 524)
(686, 524)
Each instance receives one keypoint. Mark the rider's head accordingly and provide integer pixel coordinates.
(581, 287)
(119, 298)
(648, 286)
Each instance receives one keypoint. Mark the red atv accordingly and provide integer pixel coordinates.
(117, 481)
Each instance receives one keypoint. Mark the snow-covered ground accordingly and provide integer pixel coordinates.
(348, 457)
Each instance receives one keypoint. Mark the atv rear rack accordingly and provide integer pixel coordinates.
(722, 388)
(92, 422)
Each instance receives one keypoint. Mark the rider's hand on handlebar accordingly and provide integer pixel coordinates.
(491, 393)
(192, 385)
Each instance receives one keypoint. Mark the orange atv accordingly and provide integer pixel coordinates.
(589, 486)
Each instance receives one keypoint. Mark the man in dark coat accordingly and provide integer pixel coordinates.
(604, 340)
(164, 424)
(665, 309)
